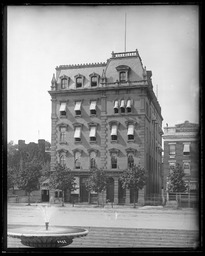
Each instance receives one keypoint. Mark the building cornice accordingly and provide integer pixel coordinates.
(84, 65)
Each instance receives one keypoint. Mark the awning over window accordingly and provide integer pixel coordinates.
(77, 132)
(78, 105)
(93, 105)
(129, 104)
(116, 104)
(186, 148)
(122, 105)
(114, 130)
(130, 130)
(93, 131)
(63, 106)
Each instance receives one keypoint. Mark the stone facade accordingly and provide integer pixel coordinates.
(125, 104)
(181, 145)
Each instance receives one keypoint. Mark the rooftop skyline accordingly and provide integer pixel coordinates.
(39, 38)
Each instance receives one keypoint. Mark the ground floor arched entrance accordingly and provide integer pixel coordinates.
(121, 193)
(83, 190)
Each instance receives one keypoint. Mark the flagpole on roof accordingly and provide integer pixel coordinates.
(125, 30)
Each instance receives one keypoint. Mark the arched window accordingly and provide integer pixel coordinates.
(77, 160)
(63, 134)
(62, 160)
(130, 160)
(114, 161)
(64, 83)
(92, 159)
(94, 81)
(79, 82)
(123, 76)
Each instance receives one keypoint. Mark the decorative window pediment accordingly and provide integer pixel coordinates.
(111, 123)
(79, 80)
(93, 124)
(114, 151)
(90, 150)
(123, 68)
(62, 125)
(130, 122)
(77, 150)
(63, 151)
(131, 151)
(77, 125)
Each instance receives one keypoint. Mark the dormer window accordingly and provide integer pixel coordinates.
(94, 81)
(123, 71)
(79, 82)
(123, 76)
(64, 83)
(79, 79)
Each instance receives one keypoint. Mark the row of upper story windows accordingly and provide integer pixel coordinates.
(93, 156)
(172, 149)
(94, 80)
(119, 106)
(114, 133)
(186, 167)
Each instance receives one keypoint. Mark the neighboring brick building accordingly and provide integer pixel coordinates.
(106, 114)
(181, 146)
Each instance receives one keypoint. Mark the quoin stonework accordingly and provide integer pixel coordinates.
(104, 115)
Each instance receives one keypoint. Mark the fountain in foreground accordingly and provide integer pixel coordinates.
(45, 236)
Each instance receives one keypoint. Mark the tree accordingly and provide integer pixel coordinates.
(133, 178)
(62, 178)
(176, 182)
(97, 181)
(28, 178)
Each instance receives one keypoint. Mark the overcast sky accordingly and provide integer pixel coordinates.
(39, 38)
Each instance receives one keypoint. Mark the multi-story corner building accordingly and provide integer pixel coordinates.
(181, 146)
(106, 115)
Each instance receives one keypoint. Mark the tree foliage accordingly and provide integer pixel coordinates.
(62, 178)
(133, 178)
(28, 178)
(97, 181)
(176, 182)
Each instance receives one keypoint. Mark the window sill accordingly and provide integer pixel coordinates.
(62, 117)
(78, 142)
(114, 141)
(171, 156)
(130, 141)
(77, 116)
(93, 115)
(63, 142)
(93, 142)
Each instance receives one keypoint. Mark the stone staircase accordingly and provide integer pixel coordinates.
(129, 238)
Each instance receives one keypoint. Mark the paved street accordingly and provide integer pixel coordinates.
(109, 226)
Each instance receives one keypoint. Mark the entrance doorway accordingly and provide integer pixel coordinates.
(83, 191)
(45, 195)
(121, 193)
(110, 190)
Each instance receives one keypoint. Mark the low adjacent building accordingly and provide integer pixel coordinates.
(181, 145)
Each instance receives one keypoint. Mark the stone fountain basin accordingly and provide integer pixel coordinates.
(39, 237)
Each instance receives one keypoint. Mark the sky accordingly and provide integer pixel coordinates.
(39, 38)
